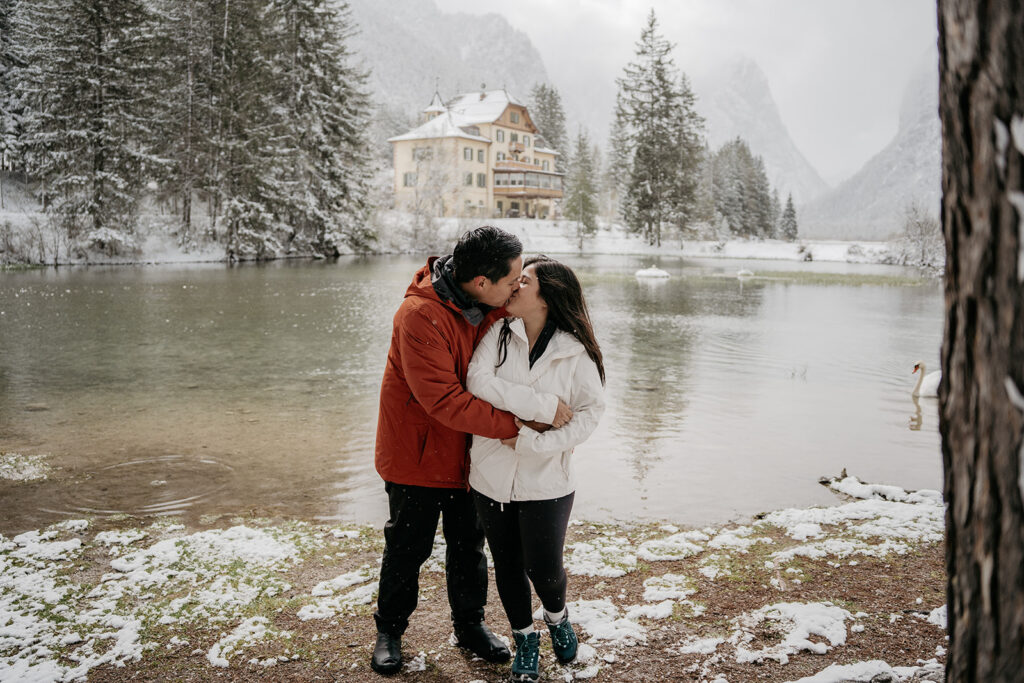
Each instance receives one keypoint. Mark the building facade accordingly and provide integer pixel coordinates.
(478, 155)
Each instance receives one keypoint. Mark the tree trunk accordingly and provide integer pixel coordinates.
(981, 55)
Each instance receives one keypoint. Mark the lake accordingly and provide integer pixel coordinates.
(202, 390)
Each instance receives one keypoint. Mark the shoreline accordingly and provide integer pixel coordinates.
(839, 592)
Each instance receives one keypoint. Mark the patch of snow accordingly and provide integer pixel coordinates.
(608, 556)
(675, 547)
(700, 646)
(246, 634)
(938, 617)
(798, 621)
(18, 467)
(842, 673)
(737, 539)
(600, 618)
(668, 587)
(662, 610)
(417, 663)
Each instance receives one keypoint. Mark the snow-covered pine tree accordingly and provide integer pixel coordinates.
(326, 115)
(776, 213)
(580, 201)
(9, 63)
(184, 53)
(656, 115)
(759, 207)
(788, 225)
(620, 161)
(549, 117)
(88, 131)
(247, 150)
(689, 147)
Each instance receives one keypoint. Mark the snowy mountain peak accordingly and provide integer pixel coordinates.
(871, 204)
(735, 99)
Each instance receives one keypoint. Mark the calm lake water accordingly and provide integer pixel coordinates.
(198, 390)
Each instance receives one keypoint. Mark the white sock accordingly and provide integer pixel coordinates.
(555, 618)
(524, 631)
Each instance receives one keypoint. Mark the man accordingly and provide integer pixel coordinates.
(425, 418)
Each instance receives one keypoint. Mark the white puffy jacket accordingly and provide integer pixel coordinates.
(540, 467)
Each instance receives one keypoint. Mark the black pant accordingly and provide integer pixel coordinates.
(527, 540)
(408, 541)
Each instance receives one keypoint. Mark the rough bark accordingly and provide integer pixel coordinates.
(981, 55)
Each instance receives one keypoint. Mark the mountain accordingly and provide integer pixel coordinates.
(735, 100)
(411, 47)
(871, 204)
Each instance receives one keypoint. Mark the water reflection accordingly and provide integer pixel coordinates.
(255, 389)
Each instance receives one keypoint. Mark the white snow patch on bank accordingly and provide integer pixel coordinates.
(246, 634)
(797, 622)
(608, 556)
(675, 547)
(600, 618)
(18, 467)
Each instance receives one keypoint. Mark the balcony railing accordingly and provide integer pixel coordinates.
(516, 147)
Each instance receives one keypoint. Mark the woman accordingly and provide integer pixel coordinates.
(524, 487)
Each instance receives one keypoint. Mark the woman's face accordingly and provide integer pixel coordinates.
(526, 301)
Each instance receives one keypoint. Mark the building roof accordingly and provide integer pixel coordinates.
(441, 126)
(481, 107)
(435, 106)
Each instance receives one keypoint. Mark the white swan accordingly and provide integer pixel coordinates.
(926, 387)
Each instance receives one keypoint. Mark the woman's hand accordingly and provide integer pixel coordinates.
(562, 415)
(511, 443)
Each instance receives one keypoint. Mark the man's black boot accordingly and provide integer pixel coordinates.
(387, 654)
(479, 640)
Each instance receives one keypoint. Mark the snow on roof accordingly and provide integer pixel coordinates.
(546, 150)
(436, 105)
(441, 126)
(481, 107)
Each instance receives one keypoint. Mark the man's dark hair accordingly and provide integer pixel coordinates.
(485, 251)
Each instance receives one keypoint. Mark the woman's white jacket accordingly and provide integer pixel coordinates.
(540, 467)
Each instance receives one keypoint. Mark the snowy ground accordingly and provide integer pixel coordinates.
(36, 239)
(781, 598)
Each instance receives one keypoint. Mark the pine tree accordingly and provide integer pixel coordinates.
(663, 134)
(787, 223)
(88, 133)
(776, 213)
(549, 117)
(183, 143)
(327, 113)
(580, 202)
(620, 161)
(9, 64)
(742, 193)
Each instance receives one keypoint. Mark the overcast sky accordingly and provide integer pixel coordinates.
(837, 68)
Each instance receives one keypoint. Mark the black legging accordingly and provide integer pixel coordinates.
(527, 540)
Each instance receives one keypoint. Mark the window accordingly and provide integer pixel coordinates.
(513, 137)
(500, 179)
(526, 141)
(513, 116)
(422, 153)
(480, 155)
(467, 153)
(500, 135)
(481, 180)
(532, 180)
(469, 179)
(544, 165)
(501, 208)
(409, 180)
(501, 156)
(545, 181)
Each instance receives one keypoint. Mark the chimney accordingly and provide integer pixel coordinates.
(483, 91)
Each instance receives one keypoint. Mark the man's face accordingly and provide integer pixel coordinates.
(496, 294)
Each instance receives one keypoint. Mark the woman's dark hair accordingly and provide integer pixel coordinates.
(484, 251)
(558, 285)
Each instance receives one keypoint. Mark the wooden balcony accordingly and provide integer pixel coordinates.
(516, 147)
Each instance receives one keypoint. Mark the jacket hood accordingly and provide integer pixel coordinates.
(422, 286)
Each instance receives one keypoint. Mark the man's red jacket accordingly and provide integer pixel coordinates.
(426, 414)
